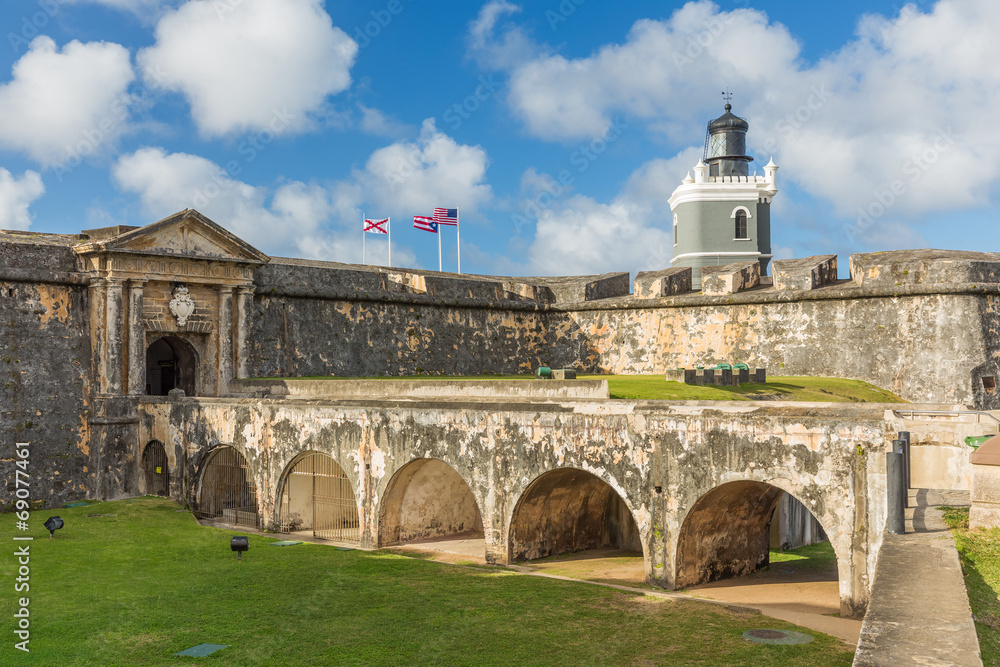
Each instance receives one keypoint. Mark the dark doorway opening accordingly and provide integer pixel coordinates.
(170, 364)
(155, 469)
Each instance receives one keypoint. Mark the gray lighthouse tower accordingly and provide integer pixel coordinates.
(723, 214)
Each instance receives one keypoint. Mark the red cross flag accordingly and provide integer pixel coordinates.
(376, 226)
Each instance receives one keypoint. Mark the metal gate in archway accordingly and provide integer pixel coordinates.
(155, 469)
(317, 496)
(228, 491)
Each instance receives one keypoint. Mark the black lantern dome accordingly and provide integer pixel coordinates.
(726, 145)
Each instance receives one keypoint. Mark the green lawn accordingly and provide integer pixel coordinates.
(810, 558)
(655, 387)
(133, 588)
(979, 551)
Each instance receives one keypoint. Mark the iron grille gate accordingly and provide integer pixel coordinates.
(227, 489)
(154, 466)
(332, 511)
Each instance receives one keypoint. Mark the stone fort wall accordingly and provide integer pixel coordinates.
(924, 324)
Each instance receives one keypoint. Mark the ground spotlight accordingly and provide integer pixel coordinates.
(239, 545)
(52, 524)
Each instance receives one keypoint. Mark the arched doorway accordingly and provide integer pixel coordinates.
(228, 491)
(729, 532)
(171, 362)
(570, 510)
(428, 500)
(155, 469)
(726, 551)
(317, 496)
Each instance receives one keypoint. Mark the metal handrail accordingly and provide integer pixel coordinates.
(947, 412)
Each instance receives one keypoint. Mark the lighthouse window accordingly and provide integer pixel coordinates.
(718, 145)
(741, 224)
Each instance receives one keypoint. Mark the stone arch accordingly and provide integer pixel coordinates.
(726, 533)
(427, 499)
(567, 510)
(315, 493)
(156, 469)
(227, 489)
(171, 362)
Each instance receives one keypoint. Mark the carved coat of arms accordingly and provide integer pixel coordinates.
(181, 306)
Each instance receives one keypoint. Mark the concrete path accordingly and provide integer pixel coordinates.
(919, 611)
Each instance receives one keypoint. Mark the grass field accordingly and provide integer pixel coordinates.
(134, 587)
(979, 551)
(655, 387)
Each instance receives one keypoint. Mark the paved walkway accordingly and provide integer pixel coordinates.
(919, 612)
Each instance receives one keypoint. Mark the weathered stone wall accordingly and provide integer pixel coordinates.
(297, 336)
(925, 348)
(659, 460)
(930, 335)
(45, 364)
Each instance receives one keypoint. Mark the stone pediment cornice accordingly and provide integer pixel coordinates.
(187, 235)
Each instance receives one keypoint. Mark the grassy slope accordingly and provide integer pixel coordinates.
(654, 387)
(134, 588)
(979, 551)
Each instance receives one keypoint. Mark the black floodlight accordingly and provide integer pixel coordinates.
(239, 545)
(52, 524)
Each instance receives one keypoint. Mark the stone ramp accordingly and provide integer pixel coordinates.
(919, 611)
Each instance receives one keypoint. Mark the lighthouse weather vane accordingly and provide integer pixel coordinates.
(727, 96)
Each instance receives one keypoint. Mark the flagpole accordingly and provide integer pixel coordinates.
(458, 241)
(363, 238)
(388, 226)
(440, 269)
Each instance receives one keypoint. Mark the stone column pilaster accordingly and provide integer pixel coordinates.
(98, 295)
(135, 371)
(226, 336)
(243, 323)
(114, 332)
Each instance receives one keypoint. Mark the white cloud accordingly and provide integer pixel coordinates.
(62, 104)
(16, 196)
(167, 183)
(434, 170)
(314, 220)
(379, 124)
(628, 233)
(499, 51)
(903, 103)
(251, 64)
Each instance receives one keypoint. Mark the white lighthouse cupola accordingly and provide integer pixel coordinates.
(723, 214)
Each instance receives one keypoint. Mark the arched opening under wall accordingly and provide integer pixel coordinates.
(428, 503)
(171, 363)
(228, 491)
(317, 498)
(571, 511)
(155, 469)
(729, 549)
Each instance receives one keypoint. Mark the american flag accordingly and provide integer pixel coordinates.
(446, 216)
(425, 223)
(376, 226)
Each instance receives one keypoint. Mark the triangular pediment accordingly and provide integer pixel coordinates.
(187, 234)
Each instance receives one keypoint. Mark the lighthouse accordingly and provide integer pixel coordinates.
(722, 214)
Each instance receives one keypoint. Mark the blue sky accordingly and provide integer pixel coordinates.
(559, 128)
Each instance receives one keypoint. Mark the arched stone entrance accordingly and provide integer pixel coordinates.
(155, 469)
(171, 362)
(228, 490)
(428, 500)
(569, 510)
(727, 533)
(317, 496)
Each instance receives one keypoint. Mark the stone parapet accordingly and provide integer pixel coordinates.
(804, 274)
(729, 278)
(654, 284)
